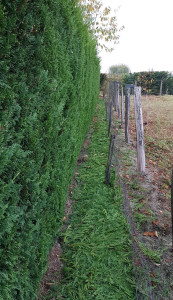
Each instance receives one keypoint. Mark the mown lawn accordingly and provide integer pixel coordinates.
(96, 244)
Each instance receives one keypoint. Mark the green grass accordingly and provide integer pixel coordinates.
(152, 254)
(96, 249)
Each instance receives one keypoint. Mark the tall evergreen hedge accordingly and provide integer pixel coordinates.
(49, 83)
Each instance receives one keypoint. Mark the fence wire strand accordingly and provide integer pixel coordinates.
(141, 267)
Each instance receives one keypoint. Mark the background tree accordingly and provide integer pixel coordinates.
(150, 81)
(119, 69)
(102, 23)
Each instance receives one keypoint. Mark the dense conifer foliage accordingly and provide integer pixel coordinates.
(49, 83)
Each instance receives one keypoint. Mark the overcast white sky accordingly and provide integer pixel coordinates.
(146, 43)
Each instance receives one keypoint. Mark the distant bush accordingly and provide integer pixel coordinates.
(103, 77)
(119, 69)
(49, 83)
(150, 81)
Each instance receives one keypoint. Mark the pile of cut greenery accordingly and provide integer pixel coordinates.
(96, 244)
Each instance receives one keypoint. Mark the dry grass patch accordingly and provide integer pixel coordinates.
(158, 128)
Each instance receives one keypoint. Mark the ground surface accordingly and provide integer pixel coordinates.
(150, 195)
(147, 202)
(95, 240)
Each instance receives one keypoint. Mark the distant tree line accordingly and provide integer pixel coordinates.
(151, 81)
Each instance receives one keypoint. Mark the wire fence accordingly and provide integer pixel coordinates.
(148, 285)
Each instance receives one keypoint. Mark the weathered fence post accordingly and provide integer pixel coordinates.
(104, 89)
(161, 85)
(127, 111)
(139, 130)
(106, 108)
(147, 108)
(172, 205)
(110, 117)
(122, 106)
(111, 150)
(117, 98)
(111, 89)
(114, 96)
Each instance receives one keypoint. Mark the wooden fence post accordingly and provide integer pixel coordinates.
(110, 117)
(147, 107)
(113, 94)
(111, 151)
(106, 108)
(111, 89)
(117, 98)
(104, 89)
(172, 206)
(161, 85)
(127, 111)
(122, 106)
(139, 130)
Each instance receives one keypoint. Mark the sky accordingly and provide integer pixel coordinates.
(146, 43)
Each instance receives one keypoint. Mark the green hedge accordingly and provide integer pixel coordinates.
(150, 81)
(49, 83)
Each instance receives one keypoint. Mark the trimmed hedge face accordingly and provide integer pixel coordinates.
(49, 85)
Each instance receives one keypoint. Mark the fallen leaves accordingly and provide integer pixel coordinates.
(151, 234)
(49, 283)
(144, 212)
(155, 222)
(152, 162)
(152, 274)
(137, 263)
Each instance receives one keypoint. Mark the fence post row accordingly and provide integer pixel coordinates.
(104, 89)
(161, 86)
(139, 130)
(122, 107)
(111, 89)
(106, 108)
(127, 112)
(114, 90)
(110, 117)
(117, 98)
(172, 205)
(113, 94)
